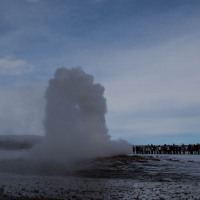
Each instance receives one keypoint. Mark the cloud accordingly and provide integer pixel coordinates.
(152, 90)
(11, 66)
(99, 1)
(146, 55)
(22, 110)
(33, 1)
(160, 76)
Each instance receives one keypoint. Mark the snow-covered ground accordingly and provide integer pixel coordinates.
(187, 164)
(94, 188)
(121, 177)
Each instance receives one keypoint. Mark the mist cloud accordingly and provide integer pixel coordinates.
(75, 124)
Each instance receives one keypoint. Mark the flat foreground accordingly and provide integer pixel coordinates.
(119, 177)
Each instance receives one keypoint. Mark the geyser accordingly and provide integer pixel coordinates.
(75, 122)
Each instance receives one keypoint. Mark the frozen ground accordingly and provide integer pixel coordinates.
(120, 177)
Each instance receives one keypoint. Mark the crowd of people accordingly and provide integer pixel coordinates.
(167, 149)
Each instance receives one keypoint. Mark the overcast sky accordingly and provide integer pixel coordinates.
(146, 53)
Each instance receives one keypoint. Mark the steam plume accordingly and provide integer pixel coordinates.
(75, 122)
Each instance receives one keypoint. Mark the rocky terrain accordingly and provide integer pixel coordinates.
(118, 177)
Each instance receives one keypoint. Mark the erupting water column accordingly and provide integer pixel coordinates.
(75, 122)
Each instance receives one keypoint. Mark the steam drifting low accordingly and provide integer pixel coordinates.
(75, 122)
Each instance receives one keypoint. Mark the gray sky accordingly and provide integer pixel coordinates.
(144, 52)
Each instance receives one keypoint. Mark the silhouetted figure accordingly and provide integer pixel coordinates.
(133, 148)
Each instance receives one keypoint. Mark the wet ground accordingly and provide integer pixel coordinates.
(119, 177)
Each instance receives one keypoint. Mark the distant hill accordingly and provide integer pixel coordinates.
(13, 142)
